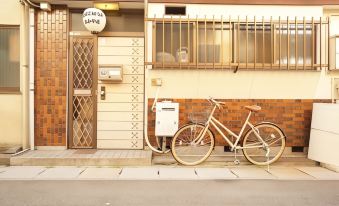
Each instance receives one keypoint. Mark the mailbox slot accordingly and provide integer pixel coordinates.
(110, 73)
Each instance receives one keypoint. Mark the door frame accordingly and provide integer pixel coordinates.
(94, 90)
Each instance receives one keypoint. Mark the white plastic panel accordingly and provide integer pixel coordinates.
(324, 139)
(116, 135)
(119, 126)
(123, 51)
(326, 117)
(120, 116)
(126, 60)
(324, 147)
(133, 69)
(120, 42)
(120, 107)
(127, 98)
(120, 144)
(127, 79)
(167, 119)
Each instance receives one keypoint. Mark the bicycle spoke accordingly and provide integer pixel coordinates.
(272, 136)
(186, 151)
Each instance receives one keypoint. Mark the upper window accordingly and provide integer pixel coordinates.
(9, 59)
(234, 43)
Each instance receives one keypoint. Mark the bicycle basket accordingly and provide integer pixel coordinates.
(199, 117)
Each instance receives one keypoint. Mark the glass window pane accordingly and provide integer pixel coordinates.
(9, 58)
(303, 40)
(261, 47)
(220, 50)
(172, 50)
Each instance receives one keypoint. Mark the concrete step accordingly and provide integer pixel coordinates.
(114, 158)
(6, 153)
(227, 159)
(5, 159)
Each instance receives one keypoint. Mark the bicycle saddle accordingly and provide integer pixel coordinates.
(253, 108)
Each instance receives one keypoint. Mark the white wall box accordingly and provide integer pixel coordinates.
(324, 138)
(334, 52)
(167, 119)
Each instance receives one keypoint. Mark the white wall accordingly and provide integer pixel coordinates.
(11, 118)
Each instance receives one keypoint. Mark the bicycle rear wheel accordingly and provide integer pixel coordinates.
(274, 138)
(186, 151)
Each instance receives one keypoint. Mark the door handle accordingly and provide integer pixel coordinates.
(103, 93)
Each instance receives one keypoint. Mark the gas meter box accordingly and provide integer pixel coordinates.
(167, 119)
(110, 73)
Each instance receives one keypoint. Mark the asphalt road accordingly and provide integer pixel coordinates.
(123, 193)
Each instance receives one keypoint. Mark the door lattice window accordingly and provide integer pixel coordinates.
(83, 102)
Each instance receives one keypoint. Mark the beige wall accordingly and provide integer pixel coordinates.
(10, 12)
(241, 85)
(11, 104)
(10, 120)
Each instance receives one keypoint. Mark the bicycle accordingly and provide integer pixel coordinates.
(263, 143)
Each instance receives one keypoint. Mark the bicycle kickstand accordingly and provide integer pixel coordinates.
(268, 159)
(236, 161)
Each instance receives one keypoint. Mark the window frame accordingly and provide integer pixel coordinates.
(319, 43)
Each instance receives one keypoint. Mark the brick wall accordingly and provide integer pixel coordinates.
(293, 116)
(51, 77)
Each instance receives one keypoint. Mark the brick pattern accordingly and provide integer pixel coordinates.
(51, 77)
(293, 116)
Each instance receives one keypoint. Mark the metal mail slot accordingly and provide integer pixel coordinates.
(110, 73)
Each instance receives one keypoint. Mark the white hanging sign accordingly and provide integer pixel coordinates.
(94, 20)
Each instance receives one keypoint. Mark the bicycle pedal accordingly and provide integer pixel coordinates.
(236, 162)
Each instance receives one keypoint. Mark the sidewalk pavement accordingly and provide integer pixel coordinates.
(167, 173)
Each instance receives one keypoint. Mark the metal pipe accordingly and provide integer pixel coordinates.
(255, 41)
(213, 43)
(288, 43)
(205, 36)
(263, 42)
(279, 43)
(230, 41)
(20, 152)
(188, 41)
(238, 42)
(246, 42)
(163, 41)
(31, 78)
(154, 40)
(320, 42)
(304, 51)
(24, 74)
(272, 42)
(171, 35)
(222, 42)
(313, 53)
(179, 42)
(296, 44)
(197, 42)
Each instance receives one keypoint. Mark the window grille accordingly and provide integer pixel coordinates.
(256, 43)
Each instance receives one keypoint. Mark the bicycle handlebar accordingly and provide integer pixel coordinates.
(219, 104)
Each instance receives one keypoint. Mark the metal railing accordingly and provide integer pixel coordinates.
(239, 43)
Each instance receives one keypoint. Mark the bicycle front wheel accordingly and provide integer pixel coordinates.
(253, 148)
(186, 150)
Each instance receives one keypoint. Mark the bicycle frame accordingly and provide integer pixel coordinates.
(217, 124)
